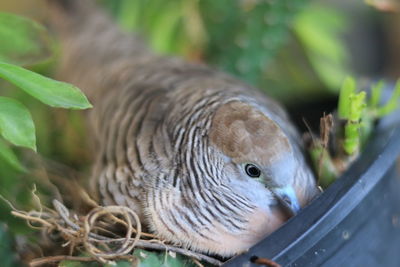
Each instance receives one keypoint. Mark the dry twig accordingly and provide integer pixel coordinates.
(86, 231)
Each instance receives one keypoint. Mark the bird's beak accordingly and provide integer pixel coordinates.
(287, 197)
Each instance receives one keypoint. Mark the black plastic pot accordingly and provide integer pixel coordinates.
(355, 222)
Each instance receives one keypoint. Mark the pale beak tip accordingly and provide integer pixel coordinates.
(287, 197)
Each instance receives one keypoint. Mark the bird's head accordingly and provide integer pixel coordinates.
(262, 165)
(257, 151)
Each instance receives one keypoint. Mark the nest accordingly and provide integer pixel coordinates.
(104, 234)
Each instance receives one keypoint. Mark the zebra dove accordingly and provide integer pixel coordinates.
(206, 161)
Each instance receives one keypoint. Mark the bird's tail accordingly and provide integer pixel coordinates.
(95, 54)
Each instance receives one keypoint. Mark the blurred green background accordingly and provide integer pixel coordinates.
(298, 51)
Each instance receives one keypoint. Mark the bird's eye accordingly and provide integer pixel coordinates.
(252, 170)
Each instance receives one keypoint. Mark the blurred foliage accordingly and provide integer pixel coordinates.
(290, 49)
(245, 35)
(7, 254)
(16, 124)
(319, 28)
(23, 41)
(238, 36)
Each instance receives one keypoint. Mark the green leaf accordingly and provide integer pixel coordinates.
(145, 259)
(322, 161)
(16, 123)
(318, 28)
(149, 259)
(351, 143)
(129, 14)
(164, 27)
(23, 41)
(348, 88)
(352, 132)
(9, 157)
(49, 91)
(357, 106)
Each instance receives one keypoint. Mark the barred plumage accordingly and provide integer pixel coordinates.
(172, 139)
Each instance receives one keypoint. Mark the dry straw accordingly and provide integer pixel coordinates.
(98, 233)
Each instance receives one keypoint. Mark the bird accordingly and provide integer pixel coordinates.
(208, 162)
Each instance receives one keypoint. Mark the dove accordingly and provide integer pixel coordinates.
(207, 162)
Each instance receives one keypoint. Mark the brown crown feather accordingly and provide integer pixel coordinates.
(245, 134)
